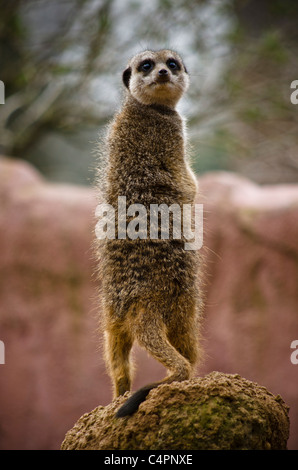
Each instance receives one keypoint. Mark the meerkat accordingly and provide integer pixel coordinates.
(149, 286)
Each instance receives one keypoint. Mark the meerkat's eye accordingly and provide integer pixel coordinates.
(173, 64)
(145, 66)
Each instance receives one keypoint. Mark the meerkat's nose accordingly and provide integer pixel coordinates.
(163, 72)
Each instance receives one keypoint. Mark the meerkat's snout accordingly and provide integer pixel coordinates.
(163, 76)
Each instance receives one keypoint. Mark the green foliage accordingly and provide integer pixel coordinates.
(272, 48)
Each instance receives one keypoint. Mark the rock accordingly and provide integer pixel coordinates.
(218, 411)
(49, 312)
(251, 319)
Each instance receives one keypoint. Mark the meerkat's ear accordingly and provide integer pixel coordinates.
(126, 77)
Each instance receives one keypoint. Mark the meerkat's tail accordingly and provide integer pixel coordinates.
(132, 404)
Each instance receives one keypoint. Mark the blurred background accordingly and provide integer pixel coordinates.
(61, 63)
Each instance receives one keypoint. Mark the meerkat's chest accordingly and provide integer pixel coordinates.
(147, 154)
(155, 141)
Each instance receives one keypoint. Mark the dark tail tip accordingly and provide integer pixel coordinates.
(132, 404)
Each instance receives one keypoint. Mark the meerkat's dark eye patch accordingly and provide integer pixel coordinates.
(173, 64)
(146, 65)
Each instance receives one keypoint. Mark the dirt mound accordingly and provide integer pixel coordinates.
(218, 411)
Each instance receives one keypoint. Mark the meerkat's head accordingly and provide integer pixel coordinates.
(156, 77)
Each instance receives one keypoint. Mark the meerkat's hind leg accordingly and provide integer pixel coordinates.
(186, 342)
(118, 344)
(151, 334)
